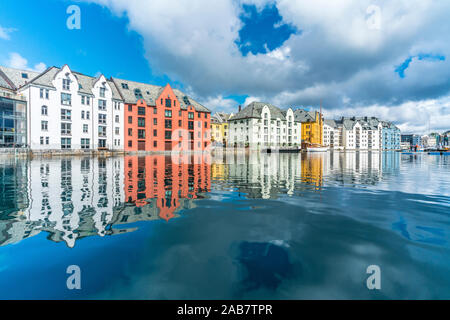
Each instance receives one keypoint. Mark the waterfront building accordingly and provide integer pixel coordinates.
(70, 110)
(362, 133)
(13, 107)
(390, 136)
(411, 139)
(162, 119)
(332, 134)
(220, 128)
(262, 124)
(312, 126)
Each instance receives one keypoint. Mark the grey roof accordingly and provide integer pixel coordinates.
(15, 76)
(302, 115)
(220, 117)
(331, 123)
(86, 82)
(253, 110)
(151, 92)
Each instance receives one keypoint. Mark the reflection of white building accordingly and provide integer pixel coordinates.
(68, 190)
(262, 175)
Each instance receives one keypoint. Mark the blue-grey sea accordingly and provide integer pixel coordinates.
(227, 226)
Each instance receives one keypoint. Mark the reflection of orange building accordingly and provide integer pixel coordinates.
(166, 180)
(312, 169)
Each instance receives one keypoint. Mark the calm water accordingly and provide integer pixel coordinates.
(287, 226)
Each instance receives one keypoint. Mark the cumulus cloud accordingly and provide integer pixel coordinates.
(18, 62)
(339, 57)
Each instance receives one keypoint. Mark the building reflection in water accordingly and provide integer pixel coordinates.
(73, 198)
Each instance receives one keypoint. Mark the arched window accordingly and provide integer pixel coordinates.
(44, 110)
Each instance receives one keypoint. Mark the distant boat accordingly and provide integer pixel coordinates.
(316, 149)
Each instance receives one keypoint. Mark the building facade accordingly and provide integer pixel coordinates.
(13, 108)
(261, 125)
(162, 118)
(69, 110)
(220, 128)
(312, 126)
(390, 136)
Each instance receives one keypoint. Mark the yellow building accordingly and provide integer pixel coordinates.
(219, 127)
(312, 168)
(312, 126)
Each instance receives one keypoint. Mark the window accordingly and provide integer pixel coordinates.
(155, 133)
(87, 115)
(141, 122)
(168, 124)
(155, 144)
(130, 119)
(66, 99)
(168, 135)
(130, 108)
(85, 128)
(101, 131)
(101, 105)
(179, 123)
(44, 125)
(47, 140)
(25, 75)
(66, 143)
(85, 143)
(44, 110)
(191, 125)
(138, 94)
(66, 115)
(117, 130)
(125, 86)
(168, 113)
(66, 128)
(117, 119)
(155, 121)
(141, 111)
(168, 103)
(102, 118)
(199, 114)
(66, 84)
(206, 116)
(179, 113)
(42, 140)
(102, 92)
(130, 132)
(190, 115)
(155, 111)
(130, 143)
(141, 134)
(206, 125)
(101, 143)
(41, 94)
(82, 114)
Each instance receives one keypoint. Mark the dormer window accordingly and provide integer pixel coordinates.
(102, 92)
(25, 75)
(138, 94)
(168, 103)
(66, 84)
(125, 86)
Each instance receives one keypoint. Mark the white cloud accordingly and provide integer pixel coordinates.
(336, 57)
(18, 62)
(4, 32)
(219, 103)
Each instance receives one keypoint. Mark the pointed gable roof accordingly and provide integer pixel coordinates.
(14, 76)
(254, 109)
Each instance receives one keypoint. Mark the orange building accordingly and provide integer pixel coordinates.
(162, 119)
(167, 181)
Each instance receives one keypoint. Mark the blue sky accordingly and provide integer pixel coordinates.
(230, 52)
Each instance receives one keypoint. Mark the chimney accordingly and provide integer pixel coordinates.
(239, 108)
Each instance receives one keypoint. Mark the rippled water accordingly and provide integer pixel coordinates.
(289, 226)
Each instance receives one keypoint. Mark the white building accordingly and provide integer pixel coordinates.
(261, 124)
(332, 134)
(69, 110)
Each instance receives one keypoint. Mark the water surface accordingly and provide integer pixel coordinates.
(289, 226)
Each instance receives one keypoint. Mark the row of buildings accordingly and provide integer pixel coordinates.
(433, 140)
(262, 124)
(63, 109)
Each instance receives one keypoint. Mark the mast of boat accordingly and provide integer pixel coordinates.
(320, 124)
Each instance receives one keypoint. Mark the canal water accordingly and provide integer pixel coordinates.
(228, 226)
